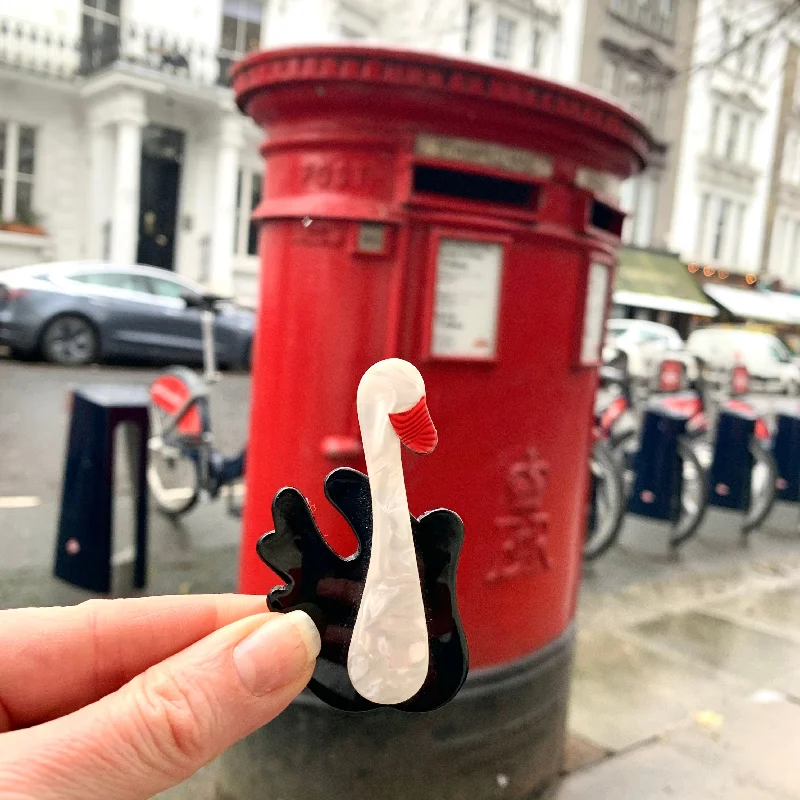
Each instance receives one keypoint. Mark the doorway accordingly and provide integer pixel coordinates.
(162, 155)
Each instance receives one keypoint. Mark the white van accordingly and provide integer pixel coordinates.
(767, 359)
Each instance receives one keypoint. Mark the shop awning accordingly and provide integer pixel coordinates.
(660, 281)
(752, 304)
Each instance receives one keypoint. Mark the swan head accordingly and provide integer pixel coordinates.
(397, 389)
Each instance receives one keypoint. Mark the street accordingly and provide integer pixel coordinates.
(687, 673)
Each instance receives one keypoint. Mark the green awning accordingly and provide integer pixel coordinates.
(648, 279)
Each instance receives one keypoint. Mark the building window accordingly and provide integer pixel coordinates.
(504, 37)
(657, 101)
(751, 135)
(776, 247)
(712, 130)
(758, 63)
(737, 234)
(788, 157)
(241, 28)
(702, 224)
(99, 34)
(733, 136)
(741, 57)
(538, 42)
(608, 77)
(633, 90)
(17, 171)
(469, 25)
(719, 229)
(724, 38)
(248, 196)
(351, 34)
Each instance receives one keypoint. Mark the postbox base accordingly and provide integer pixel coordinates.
(502, 736)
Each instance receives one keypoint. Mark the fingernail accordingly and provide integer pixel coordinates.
(277, 652)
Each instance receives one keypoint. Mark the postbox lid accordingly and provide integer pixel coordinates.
(434, 93)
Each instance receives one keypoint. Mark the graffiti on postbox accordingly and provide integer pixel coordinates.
(524, 528)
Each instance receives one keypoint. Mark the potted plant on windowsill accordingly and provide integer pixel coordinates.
(26, 222)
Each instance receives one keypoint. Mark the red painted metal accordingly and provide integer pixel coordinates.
(514, 429)
(671, 375)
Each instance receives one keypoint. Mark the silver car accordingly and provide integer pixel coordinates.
(80, 312)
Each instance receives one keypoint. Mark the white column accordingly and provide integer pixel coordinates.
(125, 205)
(101, 149)
(9, 209)
(229, 142)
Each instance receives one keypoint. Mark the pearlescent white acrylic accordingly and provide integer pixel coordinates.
(388, 657)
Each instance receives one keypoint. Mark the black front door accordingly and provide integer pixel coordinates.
(162, 152)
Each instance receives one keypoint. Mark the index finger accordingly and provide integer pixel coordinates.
(56, 660)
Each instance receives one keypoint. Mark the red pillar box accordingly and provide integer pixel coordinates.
(463, 218)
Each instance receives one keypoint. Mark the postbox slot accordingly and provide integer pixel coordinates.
(473, 186)
(606, 218)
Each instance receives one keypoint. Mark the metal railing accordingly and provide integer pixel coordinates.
(35, 49)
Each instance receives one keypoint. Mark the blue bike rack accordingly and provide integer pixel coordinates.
(786, 450)
(83, 554)
(729, 478)
(658, 477)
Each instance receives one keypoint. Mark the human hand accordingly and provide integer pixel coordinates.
(125, 698)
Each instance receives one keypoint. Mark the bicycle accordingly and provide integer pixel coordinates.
(692, 476)
(183, 462)
(607, 499)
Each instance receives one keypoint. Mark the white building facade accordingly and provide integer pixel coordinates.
(120, 138)
(728, 143)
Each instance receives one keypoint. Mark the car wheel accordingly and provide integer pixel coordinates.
(70, 340)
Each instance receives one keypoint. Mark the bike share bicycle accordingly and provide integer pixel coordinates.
(183, 463)
(763, 468)
(607, 498)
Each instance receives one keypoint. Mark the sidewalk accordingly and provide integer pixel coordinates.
(684, 687)
(689, 688)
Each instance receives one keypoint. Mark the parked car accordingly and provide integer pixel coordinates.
(80, 312)
(638, 346)
(768, 361)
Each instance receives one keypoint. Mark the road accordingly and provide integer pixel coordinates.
(33, 431)
(34, 424)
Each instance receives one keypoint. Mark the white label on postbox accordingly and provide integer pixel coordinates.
(466, 302)
(594, 313)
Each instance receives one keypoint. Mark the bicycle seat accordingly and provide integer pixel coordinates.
(205, 302)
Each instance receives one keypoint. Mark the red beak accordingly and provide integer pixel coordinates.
(415, 428)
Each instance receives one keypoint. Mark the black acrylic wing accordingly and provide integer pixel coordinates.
(329, 588)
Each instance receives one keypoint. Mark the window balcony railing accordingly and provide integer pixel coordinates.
(34, 49)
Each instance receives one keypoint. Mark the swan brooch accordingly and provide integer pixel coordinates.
(391, 633)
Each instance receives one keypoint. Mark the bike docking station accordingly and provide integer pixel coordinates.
(89, 554)
(730, 473)
(657, 486)
(786, 452)
(741, 473)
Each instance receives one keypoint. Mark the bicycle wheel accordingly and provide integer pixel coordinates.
(172, 472)
(694, 495)
(763, 487)
(607, 502)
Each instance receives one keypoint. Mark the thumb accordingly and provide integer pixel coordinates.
(169, 721)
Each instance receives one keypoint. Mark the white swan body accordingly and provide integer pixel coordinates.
(388, 657)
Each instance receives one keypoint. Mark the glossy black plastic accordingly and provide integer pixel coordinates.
(329, 587)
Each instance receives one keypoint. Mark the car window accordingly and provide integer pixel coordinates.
(779, 352)
(650, 336)
(167, 288)
(128, 281)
